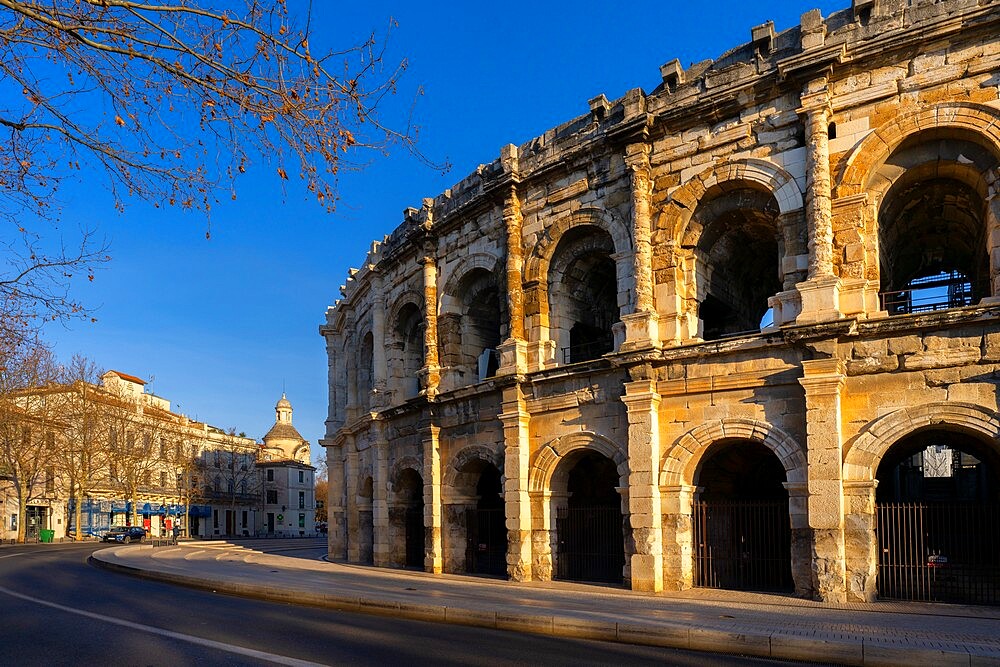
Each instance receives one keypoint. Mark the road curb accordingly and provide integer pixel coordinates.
(774, 645)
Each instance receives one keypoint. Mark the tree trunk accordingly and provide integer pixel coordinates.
(22, 513)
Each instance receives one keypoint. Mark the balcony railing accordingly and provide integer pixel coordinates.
(938, 292)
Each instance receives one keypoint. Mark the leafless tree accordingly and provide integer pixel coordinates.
(29, 421)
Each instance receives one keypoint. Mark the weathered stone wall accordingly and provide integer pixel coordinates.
(716, 264)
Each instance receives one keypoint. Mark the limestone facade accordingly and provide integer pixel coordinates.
(682, 293)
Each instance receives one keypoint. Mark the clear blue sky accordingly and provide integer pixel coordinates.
(221, 325)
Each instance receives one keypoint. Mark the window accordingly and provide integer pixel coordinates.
(163, 478)
(272, 497)
(230, 487)
(217, 484)
(147, 478)
(113, 472)
(244, 519)
(243, 487)
(178, 450)
(270, 474)
(50, 480)
(218, 458)
(302, 500)
(194, 481)
(180, 480)
(215, 518)
(302, 520)
(302, 476)
(163, 448)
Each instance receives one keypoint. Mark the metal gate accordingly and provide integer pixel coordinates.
(743, 545)
(486, 541)
(414, 536)
(591, 546)
(939, 552)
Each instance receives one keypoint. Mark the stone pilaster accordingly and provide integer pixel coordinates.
(433, 556)
(860, 541)
(335, 501)
(517, 503)
(380, 493)
(643, 402)
(641, 326)
(380, 369)
(820, 293)
(823, 381)
(353, 518)
(430, 374)
(678, 536)
(513, 351)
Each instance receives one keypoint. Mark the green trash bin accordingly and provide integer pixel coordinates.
(46, 535)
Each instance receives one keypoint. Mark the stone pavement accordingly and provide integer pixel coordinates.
(752, 624)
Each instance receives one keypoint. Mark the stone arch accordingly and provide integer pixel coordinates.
(536, 267)
(550, 455)
(466, 455)
(479, 260)
(400, 466)
(868, 448)
(682, 458)
(678, 211)
(407, 298)
(976, 119)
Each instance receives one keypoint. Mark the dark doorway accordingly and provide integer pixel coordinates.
(938, 520)
(410, 493)
(366, 523)
(486, 527)
(741, 525)
(36, 517)
(590, 528)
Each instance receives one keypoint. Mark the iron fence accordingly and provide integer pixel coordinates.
(743, 545)
(486, 541)
(939, 552)
(591, 544)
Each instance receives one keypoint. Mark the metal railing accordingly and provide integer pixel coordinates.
(939, 552)
(587, 351)
(743, 545)
(930, 293)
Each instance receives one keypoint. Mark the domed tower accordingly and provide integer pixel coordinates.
(283, 436)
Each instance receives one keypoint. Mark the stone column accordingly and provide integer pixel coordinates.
(517, 503)
(380, 370)
(513, 351)
(430, 374)
(860, 541)
(641, 326)
(678, 538)
(432, 498)
(353, 518)
(643, 402)
(335, 497)
(351, 367)
(820, 293)
(380, 493)
(823, 381)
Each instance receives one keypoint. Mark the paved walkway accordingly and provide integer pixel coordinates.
(720, 621)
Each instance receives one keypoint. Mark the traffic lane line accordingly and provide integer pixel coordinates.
(169, 634)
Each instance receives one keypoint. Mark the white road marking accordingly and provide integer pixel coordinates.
(191, 639)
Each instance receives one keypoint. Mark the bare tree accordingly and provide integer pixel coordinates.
(29, 421)
(84, 456)
(228, 467)
(170, 103)
(132, 434)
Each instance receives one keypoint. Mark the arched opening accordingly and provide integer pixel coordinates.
(406, 520)
(741, 519)
(366, 371)
(590, 527)
(737, 248)
(471, 329)
(476, 524)
(366, 523)
(932, 222)
(583, 294)
(938, 519)
(407, 352)
(486, 529)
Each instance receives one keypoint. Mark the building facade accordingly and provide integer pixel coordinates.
(741, 331)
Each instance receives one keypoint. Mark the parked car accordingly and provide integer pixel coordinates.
(125, 534)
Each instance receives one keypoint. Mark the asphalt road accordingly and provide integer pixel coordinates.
(58, 610)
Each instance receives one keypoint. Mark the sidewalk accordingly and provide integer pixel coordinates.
(771, 626)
